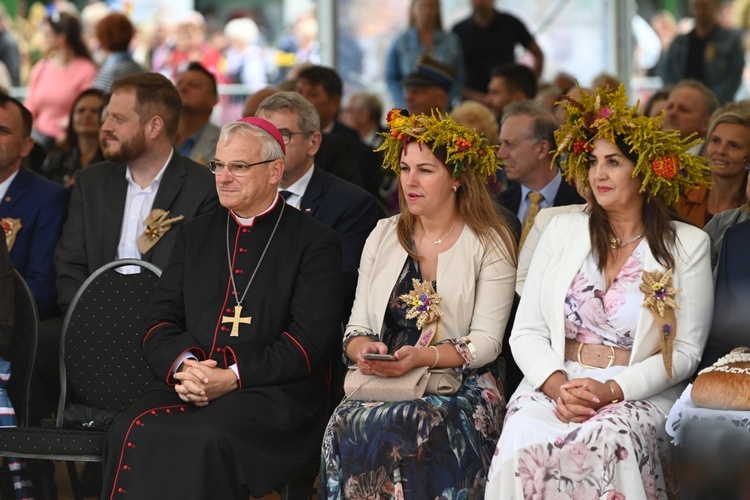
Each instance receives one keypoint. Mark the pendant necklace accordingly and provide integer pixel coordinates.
(439, 241)
(237, 318)
(616, 243)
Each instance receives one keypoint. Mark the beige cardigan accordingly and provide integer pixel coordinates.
(476, 286)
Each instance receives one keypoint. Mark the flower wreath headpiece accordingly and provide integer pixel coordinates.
(664, 163)
(466, 147)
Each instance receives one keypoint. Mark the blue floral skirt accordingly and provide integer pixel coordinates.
(432, 447)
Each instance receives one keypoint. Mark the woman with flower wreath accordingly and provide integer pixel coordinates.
(435, 289)
(610, 325)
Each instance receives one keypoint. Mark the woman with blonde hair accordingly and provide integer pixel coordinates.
(727, 149)
(475, 115)
(435, 289)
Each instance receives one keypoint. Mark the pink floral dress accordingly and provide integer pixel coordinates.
(620, 453)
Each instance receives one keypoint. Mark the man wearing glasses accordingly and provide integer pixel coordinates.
(239, 336)
(347, 209)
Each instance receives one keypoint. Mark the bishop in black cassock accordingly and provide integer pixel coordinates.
(251, 436)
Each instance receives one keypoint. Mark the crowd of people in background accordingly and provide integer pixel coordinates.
(118, 129)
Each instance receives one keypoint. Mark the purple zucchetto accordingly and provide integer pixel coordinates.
(268, 127)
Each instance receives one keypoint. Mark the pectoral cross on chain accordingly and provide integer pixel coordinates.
(236, 320)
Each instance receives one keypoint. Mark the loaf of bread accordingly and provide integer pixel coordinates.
(726, 384)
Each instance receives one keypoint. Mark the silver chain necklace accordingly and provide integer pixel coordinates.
(237, 318)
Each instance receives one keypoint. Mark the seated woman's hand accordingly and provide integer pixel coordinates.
(580, 398)
(367, 346)
(407, 358)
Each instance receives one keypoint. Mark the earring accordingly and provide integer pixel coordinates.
(455, 188)
(746, 163)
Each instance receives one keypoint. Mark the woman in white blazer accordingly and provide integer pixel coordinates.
(602, 365)
(449, 235)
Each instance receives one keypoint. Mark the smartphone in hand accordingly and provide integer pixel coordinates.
(379, 357)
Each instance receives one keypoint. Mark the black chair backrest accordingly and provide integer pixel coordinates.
(22, 348)
(100, 348)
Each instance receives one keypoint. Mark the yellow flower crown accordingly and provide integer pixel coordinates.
(663, 162)
(466, 148)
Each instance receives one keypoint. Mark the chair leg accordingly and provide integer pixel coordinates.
(6, 491)
(48, 467)
(292, 491)
(36, 478)
(299, 488)
(75, 482)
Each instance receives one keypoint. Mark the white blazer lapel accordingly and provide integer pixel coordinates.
(645, 345)
(576, 247)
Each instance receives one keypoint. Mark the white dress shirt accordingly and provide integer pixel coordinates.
(298, 189)
(138, 204)
(6, 184)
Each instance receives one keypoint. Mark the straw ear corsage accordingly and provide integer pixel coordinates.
(659, 296)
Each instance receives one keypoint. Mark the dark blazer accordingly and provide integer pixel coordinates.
(346, 131)
(344, 154)
(512, 219)
(731, 320)
(337, 154)
(350, 211)
(566, 195)
(7, 299)
(92, 232)
(41, 205)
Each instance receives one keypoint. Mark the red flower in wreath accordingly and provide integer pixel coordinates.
(580, 147)
(463, 144)
(665, 167)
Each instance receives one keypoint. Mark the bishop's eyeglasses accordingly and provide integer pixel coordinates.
(236, 168)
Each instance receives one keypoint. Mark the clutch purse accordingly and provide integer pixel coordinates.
(424, 305)
(412, 385)
(443, 381)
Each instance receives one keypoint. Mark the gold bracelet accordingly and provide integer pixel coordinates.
(612, 390)
(472, 350)
(437, 357)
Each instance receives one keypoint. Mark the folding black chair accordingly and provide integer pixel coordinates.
(21, 355)
(22, 349)
(100, 365)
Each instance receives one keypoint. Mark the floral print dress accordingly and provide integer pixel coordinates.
(431, 447)
(621, 452)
